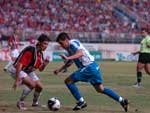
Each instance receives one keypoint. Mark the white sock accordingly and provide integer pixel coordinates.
(81, 99)
(120, 99)
(8, 65)
(25, 92)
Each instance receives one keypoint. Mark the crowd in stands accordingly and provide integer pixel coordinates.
(72, 16)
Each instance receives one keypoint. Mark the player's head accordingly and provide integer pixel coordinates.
(63, 40)
(144, 31)
(42, 43)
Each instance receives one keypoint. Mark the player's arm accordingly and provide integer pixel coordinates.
(66, 65)
(23, 62)
(45, 63)
(135, 53)
(148, 43)
(78, 54)
(17, 81)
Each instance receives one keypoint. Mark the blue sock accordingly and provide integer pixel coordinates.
(112, 94)
(74, 90)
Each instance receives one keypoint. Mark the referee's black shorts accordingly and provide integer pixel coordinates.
(144, 58)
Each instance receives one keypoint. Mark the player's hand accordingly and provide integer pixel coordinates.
(47, 59)
(16, 84)
(56, 72)
(46, 62)
(64, 57)
(134, 53)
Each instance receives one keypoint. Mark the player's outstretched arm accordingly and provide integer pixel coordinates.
(66, 65)
(78, 54)
(135, 53)
(17, 81)
(45, 63)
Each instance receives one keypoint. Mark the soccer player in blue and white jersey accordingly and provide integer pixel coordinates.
(88, 71)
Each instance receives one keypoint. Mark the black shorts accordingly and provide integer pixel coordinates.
(144, 58)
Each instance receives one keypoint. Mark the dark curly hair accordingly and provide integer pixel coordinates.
(145, 29)
(62, 36)
(43, 37)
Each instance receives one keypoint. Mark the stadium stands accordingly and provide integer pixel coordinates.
(80, 18)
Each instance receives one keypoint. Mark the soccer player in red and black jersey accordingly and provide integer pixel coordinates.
(29, 60)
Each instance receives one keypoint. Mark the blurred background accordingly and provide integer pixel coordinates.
(111, 27)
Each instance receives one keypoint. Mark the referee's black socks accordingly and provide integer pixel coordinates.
(139, 77)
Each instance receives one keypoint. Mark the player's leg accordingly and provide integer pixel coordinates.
(146, 61)
(37, 93)
(139, 68)
(107, 91)
(96, 80)
(84, 75)
(10, 62)
(27, 81)
(38, 88)
(70, 83)
(25, 92)
(65, 70)
(143, 59)
(21, 103)
(147, 68)
(29, 85)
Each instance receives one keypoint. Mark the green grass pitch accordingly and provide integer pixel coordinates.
(119, 76)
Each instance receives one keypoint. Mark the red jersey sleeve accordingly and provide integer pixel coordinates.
(26, 58)
(39, 61)
(13, 41)
(10, 40)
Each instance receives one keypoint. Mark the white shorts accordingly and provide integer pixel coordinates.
(22, 74)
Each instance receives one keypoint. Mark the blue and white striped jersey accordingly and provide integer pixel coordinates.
(86, 59)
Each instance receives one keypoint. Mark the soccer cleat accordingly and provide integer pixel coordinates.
(80, 105)
(35, 104)
(125, 104)
(21, 105)
(5, 69)
(137, 85)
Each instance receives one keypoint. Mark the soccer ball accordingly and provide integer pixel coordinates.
(53, 104)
